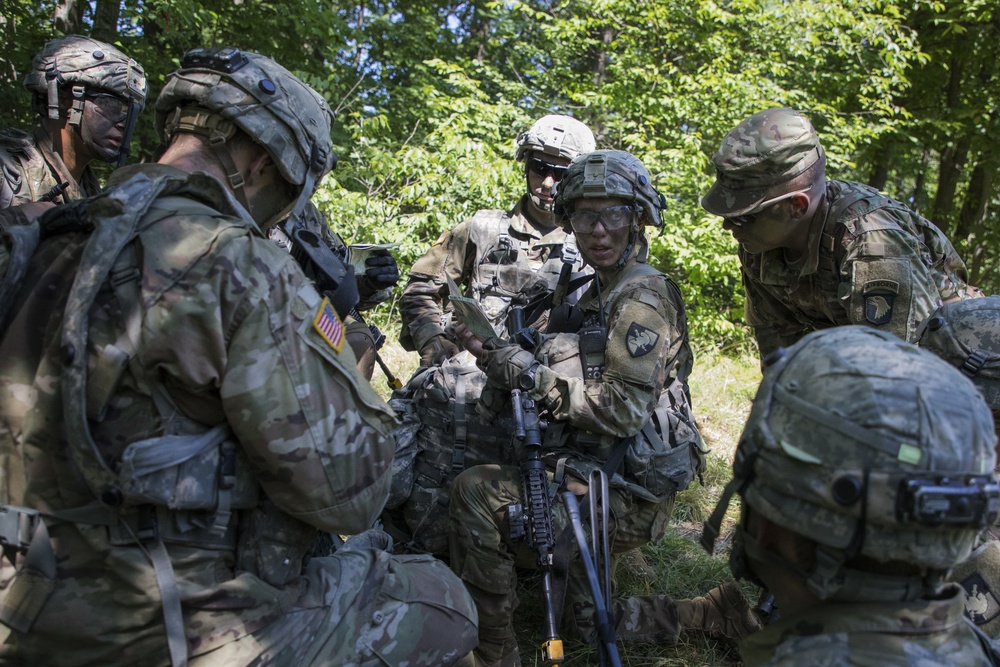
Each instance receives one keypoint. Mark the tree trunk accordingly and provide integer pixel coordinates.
(106, 13)
(602, 59)
(949, 172)
(68, 16)
(881, 160)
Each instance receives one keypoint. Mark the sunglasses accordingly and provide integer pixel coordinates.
(750, 218)
(612, 217)
(543, 169)
(111, 106)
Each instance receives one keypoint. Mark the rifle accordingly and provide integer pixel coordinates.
(56, 191)
(532, 519)
(379, 338)
(334, 278)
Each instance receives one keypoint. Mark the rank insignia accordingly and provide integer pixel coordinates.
(981, 604)
(640, 340)
(329, 326)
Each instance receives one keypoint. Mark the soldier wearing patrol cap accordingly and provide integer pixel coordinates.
(498, 257)
(818, 253)
(966, 334)
(88, 96)
(866, 472)
(613, 391)
(180, 416)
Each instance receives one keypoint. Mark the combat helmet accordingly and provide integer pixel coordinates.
(966, 334)
(556, 135)
(85, 66)
(877, 451)
(219, 91)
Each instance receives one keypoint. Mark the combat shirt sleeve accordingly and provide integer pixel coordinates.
(425, 296)
(892, 281)
(316, 435)
(644, 338)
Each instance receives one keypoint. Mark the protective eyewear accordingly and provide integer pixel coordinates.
(111, 106)
(613, 217)
(750, 218)
(543, 169)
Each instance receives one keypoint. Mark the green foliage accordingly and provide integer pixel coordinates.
(431, 93)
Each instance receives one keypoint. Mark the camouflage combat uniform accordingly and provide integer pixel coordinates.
(647, 345)
(870, 260)
(235, 343)
(31, 169)
(922, 633)
(499, 257)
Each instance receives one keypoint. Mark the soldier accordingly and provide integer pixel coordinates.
(375, 283)
(505, 260)
(88, 96)
(613, 393)
(499, 257)
(180, 418)
(965, 335)
(865, 472)
(818, 253)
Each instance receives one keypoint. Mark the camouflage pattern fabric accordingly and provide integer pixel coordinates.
(922, 633)
(498, 257)
(599, 412)
(233, 331)
(30, 169)
(870, 260)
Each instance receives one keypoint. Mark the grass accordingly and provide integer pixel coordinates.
(722, 389)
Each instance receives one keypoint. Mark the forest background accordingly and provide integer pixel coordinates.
(430, 95)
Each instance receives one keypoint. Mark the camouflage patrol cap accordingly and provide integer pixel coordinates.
(216, 91)
(966, 334)
(75, 60)
(759, 155)
(870, 446)
(605, 174)
(556, 135)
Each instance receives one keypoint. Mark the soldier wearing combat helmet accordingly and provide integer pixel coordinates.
(818, 253)
(497, 257)
(614, 389)
(198, 417)
(965, 334)
(866, 472)
(88, 96)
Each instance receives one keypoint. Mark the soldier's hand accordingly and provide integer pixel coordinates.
(381, 269)
(437, 350)
(505, 364)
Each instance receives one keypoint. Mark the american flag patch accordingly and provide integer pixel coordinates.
(329, 326)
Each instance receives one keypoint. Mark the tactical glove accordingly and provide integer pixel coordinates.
(381, 272)
(505, 364)
(436, 350)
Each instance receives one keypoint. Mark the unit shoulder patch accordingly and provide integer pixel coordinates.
(641, 340)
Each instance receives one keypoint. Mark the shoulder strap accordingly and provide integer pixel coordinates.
(120, 210)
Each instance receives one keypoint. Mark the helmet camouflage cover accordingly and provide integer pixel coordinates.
(248, 91)
(85, 63)
(556, 135)
(870, 446)
(966, 334)
(606, 174)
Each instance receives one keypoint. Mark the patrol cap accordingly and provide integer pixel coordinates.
(759, 155)
(607, 174)
(966, 334)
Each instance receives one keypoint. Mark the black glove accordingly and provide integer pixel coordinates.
(381, 270)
